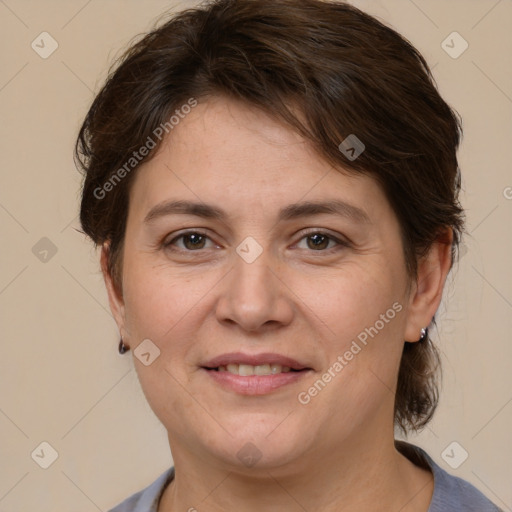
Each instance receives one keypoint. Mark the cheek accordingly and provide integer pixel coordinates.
(159, 300)
(347, 301)
(166, 392)
(362, 319)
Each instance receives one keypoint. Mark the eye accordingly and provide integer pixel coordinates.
(192, 241)
(320, 241)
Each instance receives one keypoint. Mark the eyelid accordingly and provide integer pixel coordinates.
(340, 241)
(175, 236)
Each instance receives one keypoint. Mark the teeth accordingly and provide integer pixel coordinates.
(232, 368)
(262, 369)
(246, 370)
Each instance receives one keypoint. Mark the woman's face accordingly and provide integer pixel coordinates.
(268, 273)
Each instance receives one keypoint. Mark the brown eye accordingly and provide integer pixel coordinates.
(190, 241)
(193, 241)
(321, 242)
(318, 241)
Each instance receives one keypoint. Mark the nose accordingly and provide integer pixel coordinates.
(254, 297)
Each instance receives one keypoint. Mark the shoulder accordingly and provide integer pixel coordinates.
(450, 492)
(454, 493)
(147, 499)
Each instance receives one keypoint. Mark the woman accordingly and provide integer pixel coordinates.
(274, 186)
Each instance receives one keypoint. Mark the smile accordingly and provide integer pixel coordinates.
(244, 380)
(246, 370)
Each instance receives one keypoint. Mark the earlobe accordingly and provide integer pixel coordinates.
(426, 296)
(115, 297)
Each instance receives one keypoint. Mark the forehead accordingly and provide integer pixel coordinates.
(232, 153)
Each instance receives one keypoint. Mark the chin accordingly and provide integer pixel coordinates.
(262, 448)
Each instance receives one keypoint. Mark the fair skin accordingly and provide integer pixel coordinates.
(197, 298)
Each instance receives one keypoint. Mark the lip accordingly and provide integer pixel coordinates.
(255, 384)
(254, 360)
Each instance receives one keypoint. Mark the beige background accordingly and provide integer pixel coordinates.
(61, 379)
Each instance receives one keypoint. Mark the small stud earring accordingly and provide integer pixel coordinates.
(122, 347)
(424, 332)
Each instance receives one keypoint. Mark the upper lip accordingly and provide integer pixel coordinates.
(254, 360)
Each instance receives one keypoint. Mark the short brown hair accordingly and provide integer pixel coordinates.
(327, 70)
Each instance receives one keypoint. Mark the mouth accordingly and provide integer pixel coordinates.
(246, 370)
(266, 363)
(255, 374)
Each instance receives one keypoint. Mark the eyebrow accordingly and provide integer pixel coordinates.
(292, 211)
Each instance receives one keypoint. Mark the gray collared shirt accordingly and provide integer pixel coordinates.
(451, 494)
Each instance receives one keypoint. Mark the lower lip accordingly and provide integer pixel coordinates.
(255, 384)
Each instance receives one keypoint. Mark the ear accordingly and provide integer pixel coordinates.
(427, 292)
(115, 297)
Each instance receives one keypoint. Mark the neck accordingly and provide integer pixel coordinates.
(364, 474)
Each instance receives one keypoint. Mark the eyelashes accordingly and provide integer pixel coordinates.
(197, 241)
(318, 238)
(196, 236)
